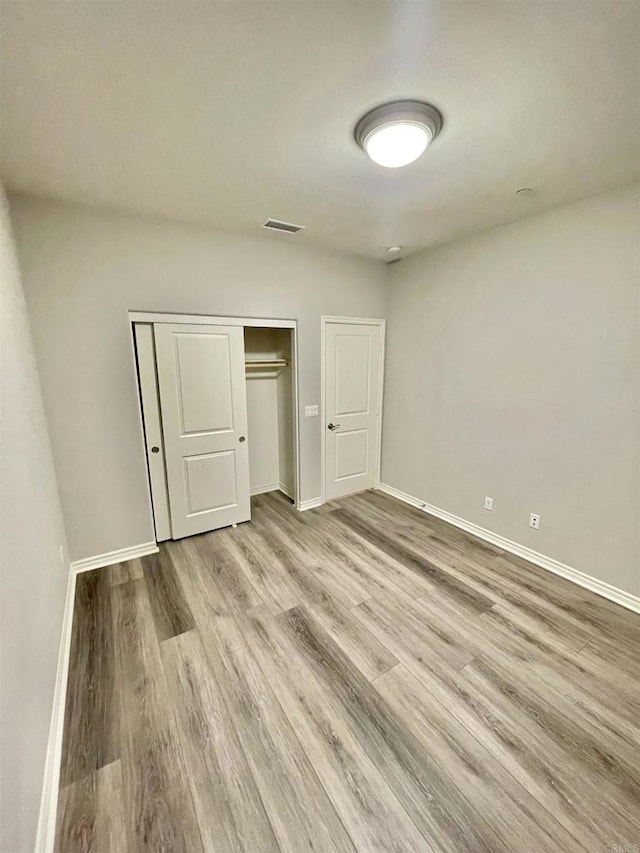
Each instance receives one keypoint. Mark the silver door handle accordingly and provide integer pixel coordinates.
(333, 426)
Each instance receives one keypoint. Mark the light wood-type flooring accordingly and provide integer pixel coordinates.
(358, 677)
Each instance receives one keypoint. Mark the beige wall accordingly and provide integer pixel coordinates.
(83, 269)
(512, 371)
(33, 575)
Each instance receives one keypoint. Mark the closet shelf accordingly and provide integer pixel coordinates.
(267, 362)
(265, 367)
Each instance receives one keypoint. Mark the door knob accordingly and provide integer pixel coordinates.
(155, 449)
(241, 439)
(333, 426)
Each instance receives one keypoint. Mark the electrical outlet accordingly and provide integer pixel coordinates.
(534, 521)
(488, 502)
(311, 411)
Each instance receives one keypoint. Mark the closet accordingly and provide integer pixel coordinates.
(217, 400)
(269, 409)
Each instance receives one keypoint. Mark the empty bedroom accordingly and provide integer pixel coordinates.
(320, 426)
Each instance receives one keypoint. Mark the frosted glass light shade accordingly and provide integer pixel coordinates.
(397, 144)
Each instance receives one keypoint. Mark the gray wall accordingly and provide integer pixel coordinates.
(33, 577)
(512, 371)
(82, 271)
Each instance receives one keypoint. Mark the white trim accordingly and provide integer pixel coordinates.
(326, 320)
(383, 346)
(362, 321)
(303, 506)
(286, 490)
(404, 497)
(261, 490)
(46, 830)
(619, 596)
(208, 320)
(295, 412)
(119, 556)
(45, 836)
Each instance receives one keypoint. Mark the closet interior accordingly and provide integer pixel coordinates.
(269, 383)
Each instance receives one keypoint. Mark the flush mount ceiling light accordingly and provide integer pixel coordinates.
(397, 133)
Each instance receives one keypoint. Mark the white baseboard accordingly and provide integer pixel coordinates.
(619, 596)
(261, 490)
(286, 490)
(302, 506)
(120, 556)
(45, 836)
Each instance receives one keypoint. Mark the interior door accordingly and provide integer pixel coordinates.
(201, 379)
(353, 354)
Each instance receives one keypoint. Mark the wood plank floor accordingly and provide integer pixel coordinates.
(358, 677)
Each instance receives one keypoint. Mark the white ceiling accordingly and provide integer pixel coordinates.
(227, 113)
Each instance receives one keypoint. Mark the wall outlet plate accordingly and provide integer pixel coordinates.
(311, 411)
(534, 521)
(488, 502)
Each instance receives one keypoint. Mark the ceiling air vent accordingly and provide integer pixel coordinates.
(287, 227)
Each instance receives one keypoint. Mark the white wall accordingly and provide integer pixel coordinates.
(33, 576)
(512, 371)
(82, 270)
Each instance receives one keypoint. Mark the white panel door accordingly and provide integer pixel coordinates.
(204, 419)
(353, 353)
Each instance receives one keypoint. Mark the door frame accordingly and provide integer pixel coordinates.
(325, 321)
(151, 317)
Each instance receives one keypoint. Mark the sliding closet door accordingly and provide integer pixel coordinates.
(204, 418)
